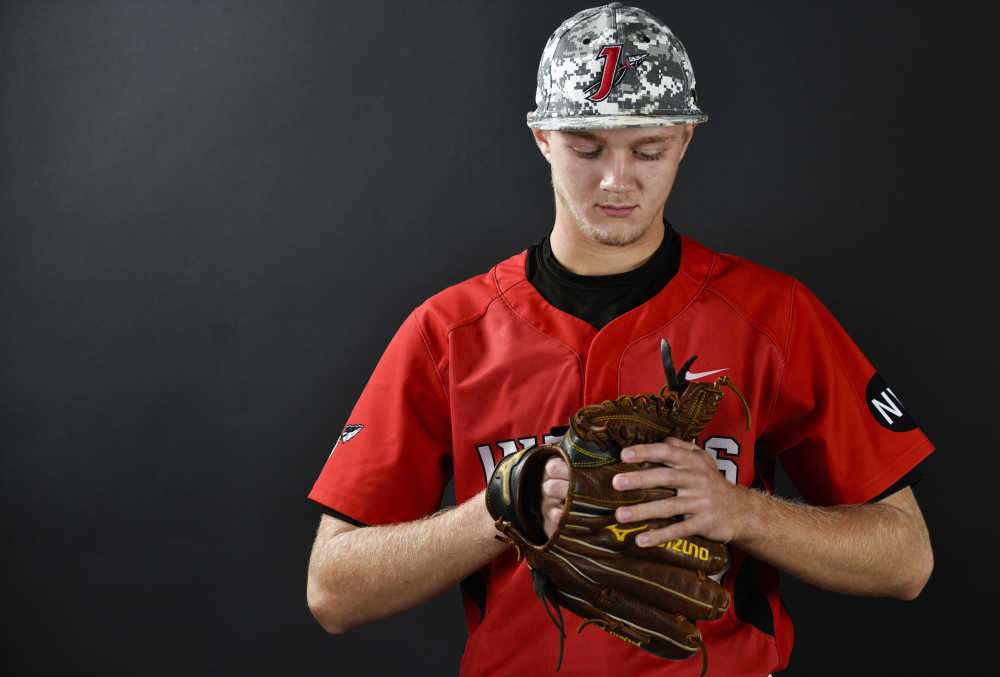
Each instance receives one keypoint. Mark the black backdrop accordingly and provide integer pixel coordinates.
(213, 215)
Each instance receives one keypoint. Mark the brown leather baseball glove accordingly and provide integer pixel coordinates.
(649, 597)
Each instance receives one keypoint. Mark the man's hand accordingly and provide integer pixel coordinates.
(555, 483)
(879, 548)
(712, 507)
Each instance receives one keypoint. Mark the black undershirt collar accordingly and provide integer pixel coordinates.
(598, 299)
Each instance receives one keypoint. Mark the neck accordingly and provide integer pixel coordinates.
(579, 254)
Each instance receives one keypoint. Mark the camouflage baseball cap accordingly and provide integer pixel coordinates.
(611, 67)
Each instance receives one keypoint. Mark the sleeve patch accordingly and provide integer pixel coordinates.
(886, 407)
(350, 431)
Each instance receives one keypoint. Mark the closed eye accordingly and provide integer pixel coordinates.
(649, 156)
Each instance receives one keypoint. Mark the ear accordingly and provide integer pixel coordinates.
(687, 141)
(541, 137)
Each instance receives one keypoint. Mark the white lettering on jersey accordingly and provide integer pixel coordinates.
(719, 447)
(486, 459)
(507, 447)
(722, 449)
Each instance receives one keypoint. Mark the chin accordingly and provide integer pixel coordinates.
(616, 236)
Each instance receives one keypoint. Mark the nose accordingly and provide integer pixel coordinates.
(618, 176)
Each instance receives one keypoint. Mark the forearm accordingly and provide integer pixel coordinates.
(872, 549)
(361, 575)
(869, 549)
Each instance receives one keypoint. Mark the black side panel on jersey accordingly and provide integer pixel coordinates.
(749, 603)
(474, 587)
(763, 476)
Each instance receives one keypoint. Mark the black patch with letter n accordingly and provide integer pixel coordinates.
(886, 407)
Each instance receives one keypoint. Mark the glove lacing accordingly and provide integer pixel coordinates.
(546, 592)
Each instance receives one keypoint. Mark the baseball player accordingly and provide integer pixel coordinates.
(499, 362)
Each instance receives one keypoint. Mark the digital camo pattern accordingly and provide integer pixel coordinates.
(657, 90)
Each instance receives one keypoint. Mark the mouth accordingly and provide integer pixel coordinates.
(617, 211)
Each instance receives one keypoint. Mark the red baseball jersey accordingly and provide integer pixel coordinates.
(488, 367)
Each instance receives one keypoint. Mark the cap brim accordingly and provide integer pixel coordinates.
(585, 122)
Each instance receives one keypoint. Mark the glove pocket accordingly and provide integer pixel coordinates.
(514, 495)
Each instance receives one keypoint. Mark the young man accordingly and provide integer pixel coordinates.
(501, 361)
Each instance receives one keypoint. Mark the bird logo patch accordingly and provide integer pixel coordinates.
(350, 431)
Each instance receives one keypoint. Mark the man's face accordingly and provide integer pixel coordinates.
(611, 185)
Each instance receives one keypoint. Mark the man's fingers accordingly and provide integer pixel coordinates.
(555, 484)
(551, 518)
(554, 489)
(651, 477)
(556, 468)
(672, 451)
(662, 509)
(684, 529)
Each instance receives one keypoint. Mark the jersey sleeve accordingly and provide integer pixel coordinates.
(393, 458)
(841, 433)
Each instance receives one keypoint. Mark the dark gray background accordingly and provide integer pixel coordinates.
(213, 215)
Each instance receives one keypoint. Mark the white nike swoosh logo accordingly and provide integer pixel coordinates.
(692, 375)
